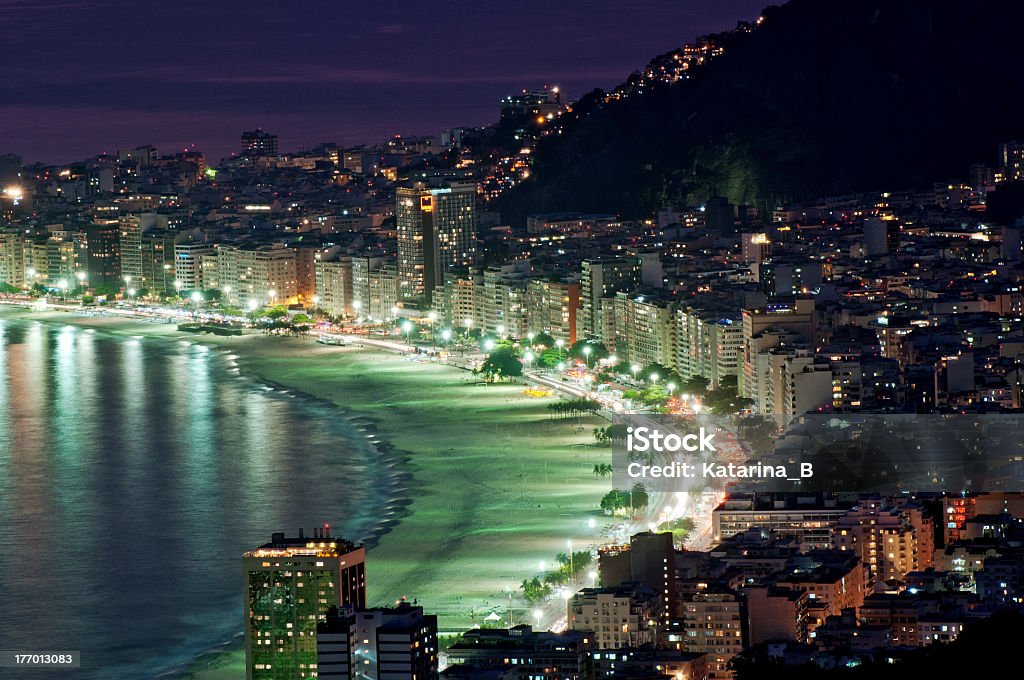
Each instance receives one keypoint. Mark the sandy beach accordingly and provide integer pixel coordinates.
(494, 485)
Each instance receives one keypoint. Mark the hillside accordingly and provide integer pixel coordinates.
(825, 97)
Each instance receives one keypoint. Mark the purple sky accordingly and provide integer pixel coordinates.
(82, 76)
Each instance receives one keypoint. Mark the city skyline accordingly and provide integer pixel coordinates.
(181, 76)
(716, 373)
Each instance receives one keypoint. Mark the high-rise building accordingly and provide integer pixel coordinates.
(832, 581)
(158, 262)
(756, 246)
(708, 342)
(437, 228)
(334, 286)
(12, 258)
(1011, 159)
(291, 584)
(891, 541)
(552, 307)
(131, 251)
(881, 236)
(61, 261)
(795, 318)
(104, 248)
(188, 264)
(263, 274)
(257, 143)
(644, 329)
(460, 298)
(396, 643)
(503, 300)
(775, 614)
(649, 559)
(619, 616)
(603, 278)
(713, 625)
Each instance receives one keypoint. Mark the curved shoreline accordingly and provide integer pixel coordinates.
(395, 461)
(382, 449)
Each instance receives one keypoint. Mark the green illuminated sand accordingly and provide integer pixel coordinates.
(496, 485)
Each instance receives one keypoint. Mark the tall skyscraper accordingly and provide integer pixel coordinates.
(291, 583)
(131, 251)
(104, 253)
(257, 143)
(436, 234)
(603, 278)
(649, 559)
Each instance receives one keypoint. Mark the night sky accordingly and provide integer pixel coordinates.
(82, 76)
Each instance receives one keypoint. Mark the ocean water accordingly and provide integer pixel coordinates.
(133, 474)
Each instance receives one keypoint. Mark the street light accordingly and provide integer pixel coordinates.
(446, 334)
(489, 344)
(252, 304)
(635, 369)
(271, 294)
(500, 330)
(671, 388)
(407, 329)
(586, 354)
(654, 378)
(529, 358)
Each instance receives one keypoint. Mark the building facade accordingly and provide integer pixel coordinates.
(291, 583)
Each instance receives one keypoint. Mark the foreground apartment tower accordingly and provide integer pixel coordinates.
(290, 584)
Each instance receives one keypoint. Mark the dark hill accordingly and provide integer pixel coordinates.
(826, 97)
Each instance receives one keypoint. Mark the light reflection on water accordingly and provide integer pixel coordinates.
(133, 474)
